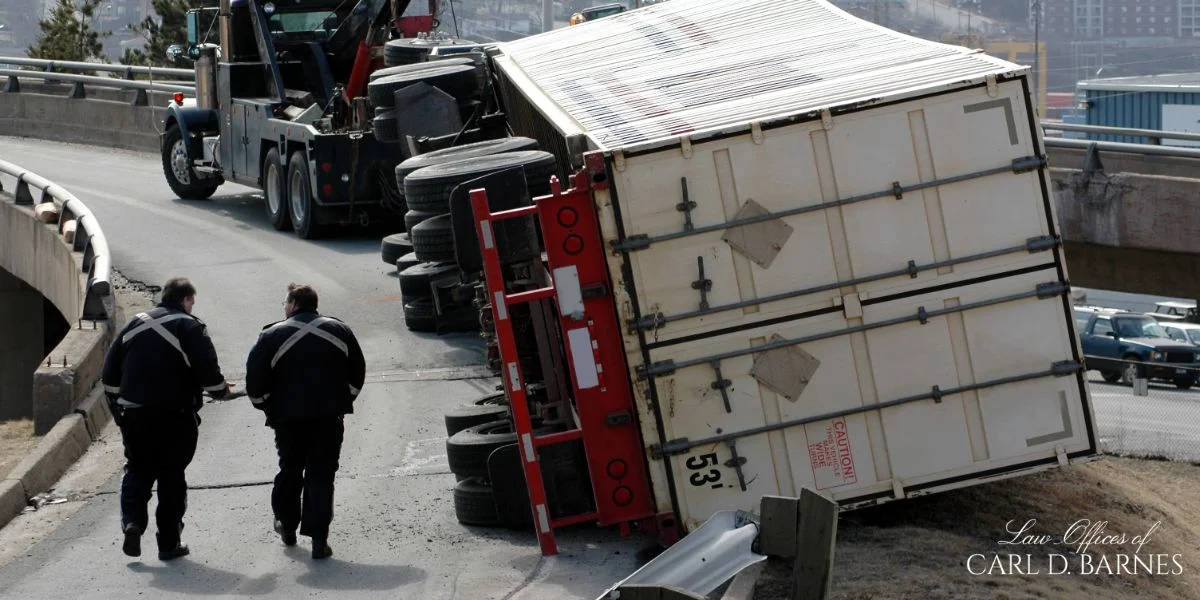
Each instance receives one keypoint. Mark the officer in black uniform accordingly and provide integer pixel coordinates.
(154, 374)
(305, 373)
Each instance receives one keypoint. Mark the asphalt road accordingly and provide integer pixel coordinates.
(394, 534)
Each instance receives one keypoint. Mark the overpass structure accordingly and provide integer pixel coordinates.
(1128, 212)
(58, 309)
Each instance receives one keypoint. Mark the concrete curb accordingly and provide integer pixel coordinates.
(54, 454)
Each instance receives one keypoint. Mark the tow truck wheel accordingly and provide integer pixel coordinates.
(181, 176)
(275, 189)
(301, 205)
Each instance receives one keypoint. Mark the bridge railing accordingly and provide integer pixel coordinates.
(123, 77)
(89, 237)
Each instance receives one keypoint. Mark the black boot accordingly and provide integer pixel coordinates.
(133, 540)
(321, 549)
(171, 551)
(287, 534)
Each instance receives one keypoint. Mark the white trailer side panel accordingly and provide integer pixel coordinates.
(966, 234)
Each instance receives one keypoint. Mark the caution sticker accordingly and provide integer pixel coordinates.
(830, 454)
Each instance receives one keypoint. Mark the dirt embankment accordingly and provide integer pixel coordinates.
(1116, 528)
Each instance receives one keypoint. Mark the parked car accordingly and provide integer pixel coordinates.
(1183, 332)
(596, 12)
(1118, 344)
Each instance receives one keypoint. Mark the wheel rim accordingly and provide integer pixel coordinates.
(274, 194)
(179, 163)
(1130, 373)
(299, 199)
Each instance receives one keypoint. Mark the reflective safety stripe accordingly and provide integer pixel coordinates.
(354, 391)
(128, 403)
(149, 323)
(254, 400)
(305, 329)
(215, 388)
(112, 389)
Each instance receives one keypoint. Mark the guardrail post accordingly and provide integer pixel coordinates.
(129, 73)
(13, 85)
(50, 69)
(22, 197)
(140, 98)
(77, 92)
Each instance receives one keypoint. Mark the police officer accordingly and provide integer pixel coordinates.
(154, 374)
(305, 373)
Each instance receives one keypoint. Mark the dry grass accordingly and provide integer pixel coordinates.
(16, 441)
(919, 548)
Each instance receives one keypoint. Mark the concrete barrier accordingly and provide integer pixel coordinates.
(109, 123)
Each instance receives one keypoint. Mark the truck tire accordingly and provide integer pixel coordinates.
(433, 240)
(468, 450)
(177, 168)
(275, 190)
(406, 51)
(476, 149)
(415, 281)
(485, 409)
(429, 188)
(301, 204)
(394, 246)
(406, 261)
(456, 80)
(420, 315)
(384, 127)
(412, 218)
(474, 503)
(421, 66)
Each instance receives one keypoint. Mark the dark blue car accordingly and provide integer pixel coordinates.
(1119, 344)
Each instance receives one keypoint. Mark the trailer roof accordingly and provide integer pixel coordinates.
(688, 66)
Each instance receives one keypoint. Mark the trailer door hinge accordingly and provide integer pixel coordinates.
(756, 133)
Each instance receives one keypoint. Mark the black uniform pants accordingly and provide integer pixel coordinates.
(159, 445)
(308, 460)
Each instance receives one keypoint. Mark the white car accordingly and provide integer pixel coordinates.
(1183, 332)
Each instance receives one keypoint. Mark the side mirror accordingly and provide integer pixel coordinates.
(174, 51)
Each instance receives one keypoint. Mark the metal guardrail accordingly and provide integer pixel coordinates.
(89, 238)
(1156, 136)
(52, 71)
(1146, 149)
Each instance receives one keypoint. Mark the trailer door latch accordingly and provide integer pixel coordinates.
(618, 418)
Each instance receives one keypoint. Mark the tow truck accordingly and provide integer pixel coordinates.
(279, 106)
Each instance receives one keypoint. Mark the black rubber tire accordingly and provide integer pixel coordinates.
(412, 218)
(193, 188)
(421, 66)
(433, 240)
(405, 51)
(394, 246)
(306, 223)
(456, 80)
(1111, 376)
(428, 188)
(467, 450)
(474, 503)
(1184, 383)
(420, 315)
(415, 281)
(485, 409)
(445, 155)
(406, 261)
(275, 184)
(384, 126)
